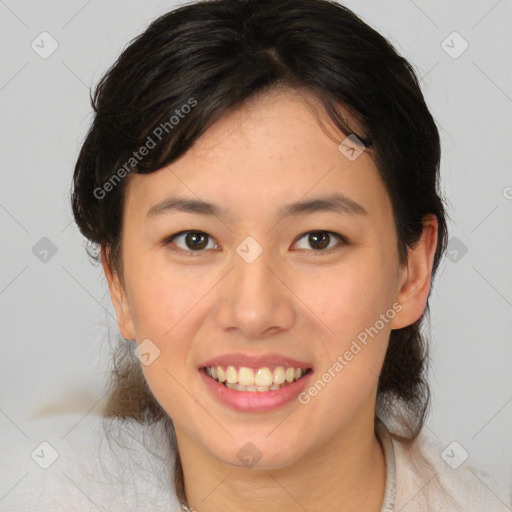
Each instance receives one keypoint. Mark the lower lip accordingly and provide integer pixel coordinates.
(255, 401)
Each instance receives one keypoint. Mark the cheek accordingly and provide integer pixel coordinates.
(350, 301)
(352, 296)
(161, 297)
(163, 306)
(352, 358)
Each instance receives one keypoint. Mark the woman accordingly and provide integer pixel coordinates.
(262, 180)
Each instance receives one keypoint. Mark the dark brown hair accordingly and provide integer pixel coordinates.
(220, 53)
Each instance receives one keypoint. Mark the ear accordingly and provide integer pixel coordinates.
(415, 276)
(119, 300)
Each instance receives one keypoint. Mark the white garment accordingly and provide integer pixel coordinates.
(133, 470)
(416, 487)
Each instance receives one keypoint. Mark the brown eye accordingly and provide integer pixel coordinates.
(193, 240)
(320, 240)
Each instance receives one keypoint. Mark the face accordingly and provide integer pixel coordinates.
(294, 287)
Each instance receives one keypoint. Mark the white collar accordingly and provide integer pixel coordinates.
(384, 437)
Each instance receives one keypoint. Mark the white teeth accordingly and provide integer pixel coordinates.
(239, 387)
(246, 376)
(231, 375)
(263, 377)
(278, 376)
(248, 379)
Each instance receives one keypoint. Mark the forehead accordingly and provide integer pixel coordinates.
(280, 147)
(287, 116)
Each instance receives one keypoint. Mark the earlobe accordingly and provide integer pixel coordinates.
(416, 276)
(119, 300)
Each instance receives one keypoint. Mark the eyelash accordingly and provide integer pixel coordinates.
(320, 252)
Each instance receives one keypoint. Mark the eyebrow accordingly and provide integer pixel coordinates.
(337, 203)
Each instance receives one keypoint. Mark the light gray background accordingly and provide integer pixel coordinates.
(56, 316)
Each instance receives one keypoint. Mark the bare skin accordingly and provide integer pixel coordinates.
(293, 300)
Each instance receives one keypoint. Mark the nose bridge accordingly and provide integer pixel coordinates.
(253, 276)
(252, 261)
(257, 300)
(254, 289)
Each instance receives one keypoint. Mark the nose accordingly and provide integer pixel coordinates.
(255, 299)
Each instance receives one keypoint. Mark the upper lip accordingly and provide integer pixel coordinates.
(255, 361)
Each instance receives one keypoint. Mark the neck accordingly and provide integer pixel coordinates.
(346, 473)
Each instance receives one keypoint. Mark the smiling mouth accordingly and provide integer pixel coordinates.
(261, 379)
